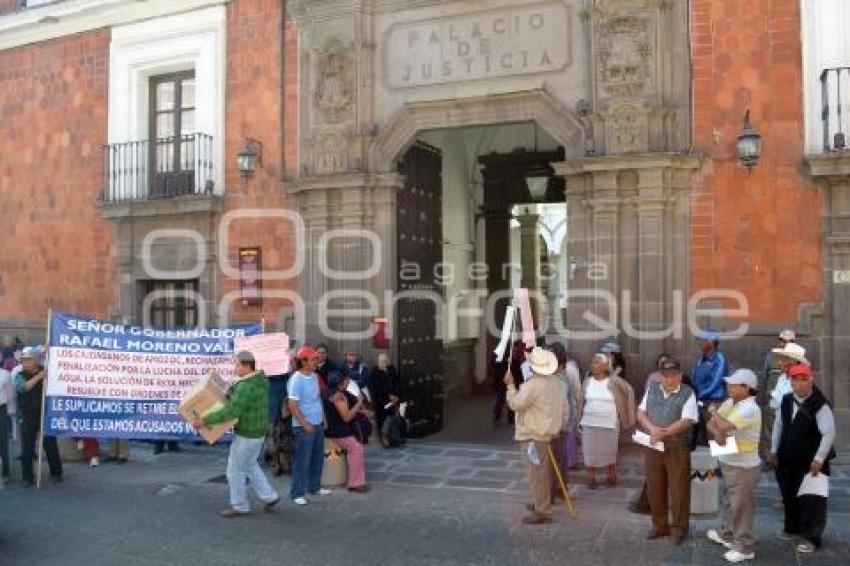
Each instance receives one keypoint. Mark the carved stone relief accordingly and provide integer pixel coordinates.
(330, 153)
(624, 55)
(627, 130)
(333, 92)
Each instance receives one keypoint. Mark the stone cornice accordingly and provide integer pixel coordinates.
(42, 23)
(192, 204)
(830, 167)
(614, 163)
(345, 181)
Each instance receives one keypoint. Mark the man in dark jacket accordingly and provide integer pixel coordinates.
(802, 443)
(383, 392)
(29, 383)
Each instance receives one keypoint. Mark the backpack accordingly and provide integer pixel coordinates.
(362, 428)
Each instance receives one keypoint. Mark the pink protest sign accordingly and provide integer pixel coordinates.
(270, 350)
(528, 336)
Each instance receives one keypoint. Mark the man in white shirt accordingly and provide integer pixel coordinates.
(667, 413)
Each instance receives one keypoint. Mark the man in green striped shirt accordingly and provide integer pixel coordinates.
(248, 401)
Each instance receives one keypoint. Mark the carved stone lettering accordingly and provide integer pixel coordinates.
(480, 45)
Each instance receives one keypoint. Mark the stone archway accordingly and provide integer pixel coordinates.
(523, 106)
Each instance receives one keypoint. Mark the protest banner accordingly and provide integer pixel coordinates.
(271, 351)
(526, 316)
(109, 380)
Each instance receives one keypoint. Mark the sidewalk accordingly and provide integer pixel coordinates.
(433, 503)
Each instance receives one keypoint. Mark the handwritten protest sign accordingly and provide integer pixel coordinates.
(271, 351)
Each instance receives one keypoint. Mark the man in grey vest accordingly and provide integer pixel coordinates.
(667, 412)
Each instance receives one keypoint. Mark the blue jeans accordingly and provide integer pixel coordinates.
(242, 464)
(309, 458)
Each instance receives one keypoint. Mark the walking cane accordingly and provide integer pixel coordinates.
(570, 510)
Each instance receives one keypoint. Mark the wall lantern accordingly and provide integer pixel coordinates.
(249, 158)
(537, 186)
(749, 144)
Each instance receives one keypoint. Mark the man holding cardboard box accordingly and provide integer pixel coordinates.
(248, 402)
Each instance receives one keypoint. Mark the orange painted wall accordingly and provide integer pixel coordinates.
(255, 91)
(57, 249)
(756, 232)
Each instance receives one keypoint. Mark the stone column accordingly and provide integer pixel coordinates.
(530, 250)
(628, 218)
(832, 174)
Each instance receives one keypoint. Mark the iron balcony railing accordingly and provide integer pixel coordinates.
(170, 167)
(835, 112)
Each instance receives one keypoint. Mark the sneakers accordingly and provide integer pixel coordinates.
(269, 506)
(94, 462)
(806, 548)
(713, 535)
(300, 501)
(738, 556)
(324, 491)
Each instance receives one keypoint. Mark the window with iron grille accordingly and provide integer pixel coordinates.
(170, 304)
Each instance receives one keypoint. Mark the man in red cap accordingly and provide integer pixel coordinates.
(802, 444)
(308, 421)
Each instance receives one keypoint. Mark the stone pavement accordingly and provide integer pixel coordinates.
(432, 503)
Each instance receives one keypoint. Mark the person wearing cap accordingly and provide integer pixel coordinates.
(707, 379)
(29, 385)
(542, 413)
(341, 408)
(776, 387)
(739, 417)
(248, 401)
(604, 413)
(803, 443)
(667, 413)
(308, 419)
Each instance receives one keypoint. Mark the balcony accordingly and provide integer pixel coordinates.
(835, 112)
(171, 176)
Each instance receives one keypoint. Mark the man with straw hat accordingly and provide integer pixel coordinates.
(542, 413)
(29, 384)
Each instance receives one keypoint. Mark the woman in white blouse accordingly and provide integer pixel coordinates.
(604, 413)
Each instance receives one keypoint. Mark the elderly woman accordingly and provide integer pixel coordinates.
(604, 413)
(341, 409)
(566, 446)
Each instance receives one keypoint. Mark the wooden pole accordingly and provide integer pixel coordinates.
(564, 490)
(40, 443)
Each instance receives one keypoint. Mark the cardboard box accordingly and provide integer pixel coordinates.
(208, 396)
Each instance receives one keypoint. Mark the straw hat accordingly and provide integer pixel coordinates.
(542, 361)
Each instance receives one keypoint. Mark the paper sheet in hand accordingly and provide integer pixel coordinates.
(731, 447)
(533, 454)
(526, 317)
(814, 485)
(507, 328)
(641, 437)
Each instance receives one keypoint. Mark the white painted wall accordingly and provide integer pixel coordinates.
(826, 44)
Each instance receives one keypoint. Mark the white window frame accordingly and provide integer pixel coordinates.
(191, 41)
